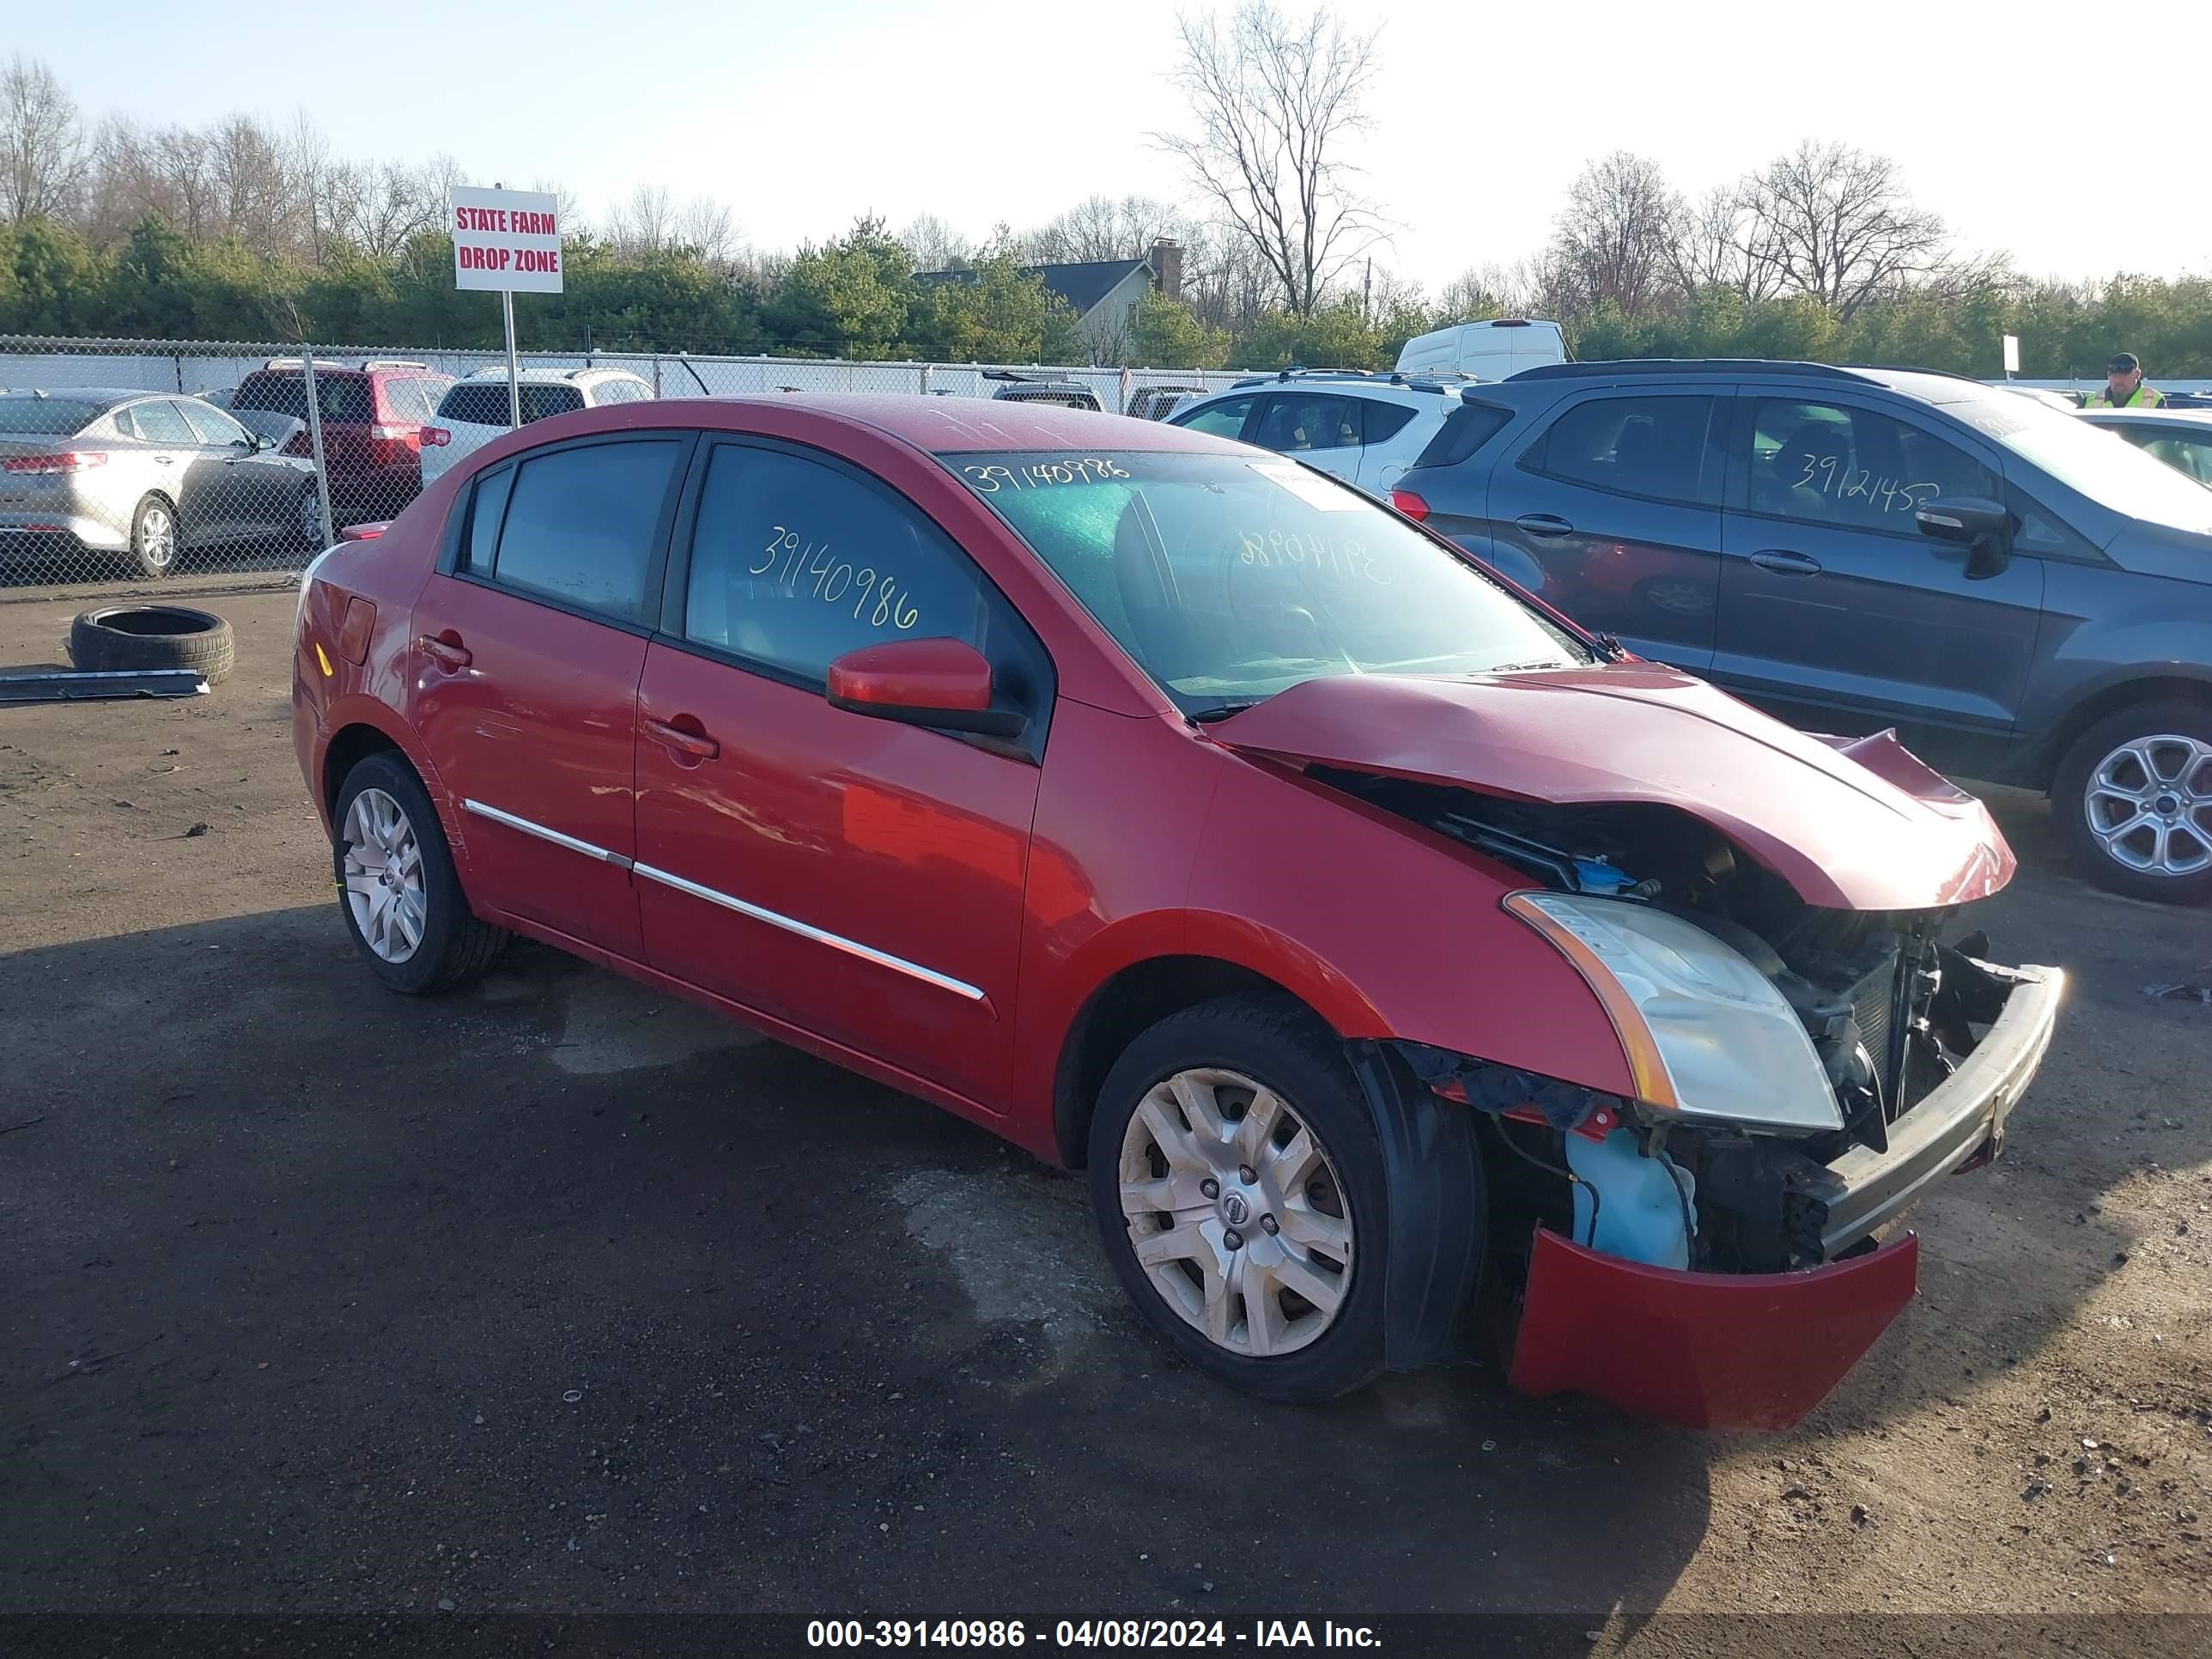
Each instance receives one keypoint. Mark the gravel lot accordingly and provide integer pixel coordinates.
(559, 1297)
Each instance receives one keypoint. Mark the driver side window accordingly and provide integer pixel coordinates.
(1853, 468)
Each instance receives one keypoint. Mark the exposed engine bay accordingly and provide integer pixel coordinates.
(1891, 1012)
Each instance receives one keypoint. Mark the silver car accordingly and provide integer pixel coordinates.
(148, 475)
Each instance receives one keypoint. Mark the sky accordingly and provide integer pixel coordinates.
(2035, 131)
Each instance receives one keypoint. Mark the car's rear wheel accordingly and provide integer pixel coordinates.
(154, 537)
(397, 889)
(307, 518)
(2134, 800)
(1238, 1186)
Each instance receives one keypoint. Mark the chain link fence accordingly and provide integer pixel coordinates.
(142, 460)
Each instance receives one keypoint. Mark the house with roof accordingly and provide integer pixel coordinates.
(1104, 294)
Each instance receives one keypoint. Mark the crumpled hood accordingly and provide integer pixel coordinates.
(1857, 824)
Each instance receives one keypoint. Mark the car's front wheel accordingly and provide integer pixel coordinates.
(1238, 1185)
(397, 889)
(2133, 798)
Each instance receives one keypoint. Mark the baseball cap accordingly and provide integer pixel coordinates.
(2123, 363)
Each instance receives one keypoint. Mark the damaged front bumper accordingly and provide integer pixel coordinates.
(1758, 1351)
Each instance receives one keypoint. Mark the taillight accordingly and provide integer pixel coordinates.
(1411, 504)
(435, 437)
(387, 444)
(364, 532)
(73, 460)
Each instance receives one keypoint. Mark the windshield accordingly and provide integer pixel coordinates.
(46, 417)
(2096, 463)
(1229, 579)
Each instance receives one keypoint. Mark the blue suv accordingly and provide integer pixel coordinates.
(2027, 599)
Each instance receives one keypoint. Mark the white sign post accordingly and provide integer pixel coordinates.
(2011, 356)
(508, 242)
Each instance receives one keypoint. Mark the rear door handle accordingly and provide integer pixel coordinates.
(1544, 524)
(165, 460)
(1786, 564)
(697, 744)
(448, 650)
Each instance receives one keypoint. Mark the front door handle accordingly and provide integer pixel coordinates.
(447, 648)
(696, 744)
(1544, 524)
(165, 460)
(1786, 564)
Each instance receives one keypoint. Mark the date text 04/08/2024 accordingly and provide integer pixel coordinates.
(1118, 1633)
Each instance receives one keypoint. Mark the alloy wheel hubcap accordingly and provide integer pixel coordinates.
(1236, 1212)
(158, 532)
(2150, 804)
(383, 875)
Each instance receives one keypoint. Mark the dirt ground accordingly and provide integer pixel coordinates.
(558, 1297)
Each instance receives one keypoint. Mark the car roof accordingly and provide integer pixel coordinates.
(946, 426)
(1420, 391)
(103, 396)
(550, 376)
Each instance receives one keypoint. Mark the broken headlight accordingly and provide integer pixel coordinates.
(1707, 1034)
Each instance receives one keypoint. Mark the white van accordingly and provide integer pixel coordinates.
(1489, 351)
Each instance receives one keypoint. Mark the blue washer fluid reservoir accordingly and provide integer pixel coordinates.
(1639, 1211)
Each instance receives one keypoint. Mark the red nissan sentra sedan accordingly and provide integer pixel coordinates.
(1387, 950)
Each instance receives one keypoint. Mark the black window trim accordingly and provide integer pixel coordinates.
(457, 526)
(676, 586)
(1712, 494)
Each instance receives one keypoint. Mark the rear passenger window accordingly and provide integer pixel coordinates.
(795, 563)
(1650, 447)
(1298, 425)
(581, 524)
(162, 423)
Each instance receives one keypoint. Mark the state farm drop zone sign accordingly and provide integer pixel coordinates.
(506, 240)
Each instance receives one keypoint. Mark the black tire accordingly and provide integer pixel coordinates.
(155, 558)
(455, 948)
(2070, 807)
(1275, 1042)
(131, 636)
(307, 530)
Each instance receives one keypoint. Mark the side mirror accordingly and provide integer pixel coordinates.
(943, 684)
(1979, 525)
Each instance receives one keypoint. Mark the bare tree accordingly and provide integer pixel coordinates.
(380, 210)
(254, 195)
(1612, 243)
(645, 223)
(935, 244)
(1842, 228)
(1099, 228)
(1478, 293)
(1721, 243)
(39, 143)
(710, 229)
(1276, 103)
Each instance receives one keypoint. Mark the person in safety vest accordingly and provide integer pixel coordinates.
(2124, 386)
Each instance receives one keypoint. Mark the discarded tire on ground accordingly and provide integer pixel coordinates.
(153, 637)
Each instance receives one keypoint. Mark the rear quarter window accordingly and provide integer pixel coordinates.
(1465, 431)
(1382, 421)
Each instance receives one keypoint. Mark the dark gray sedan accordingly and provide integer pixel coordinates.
(138, 473)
